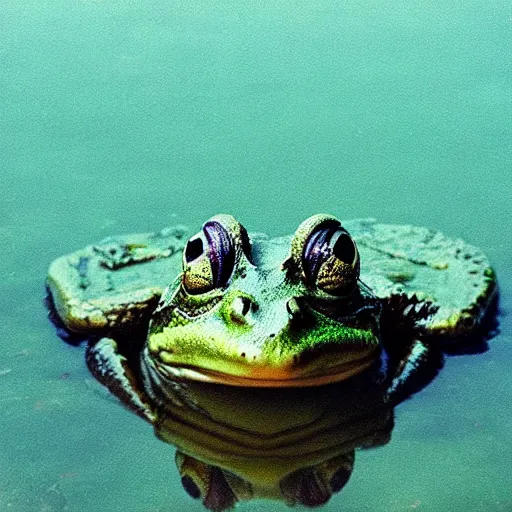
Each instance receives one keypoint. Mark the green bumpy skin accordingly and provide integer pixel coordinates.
(262, 328)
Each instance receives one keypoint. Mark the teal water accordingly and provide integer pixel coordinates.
(120, 116)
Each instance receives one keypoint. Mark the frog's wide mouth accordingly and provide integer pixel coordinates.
(328, 367)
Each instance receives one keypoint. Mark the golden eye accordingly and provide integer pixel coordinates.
(327, 256)
(210, 257)
(338, 264)
(197, 269)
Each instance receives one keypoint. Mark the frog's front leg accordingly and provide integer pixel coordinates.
(111, 369)
(415, 370)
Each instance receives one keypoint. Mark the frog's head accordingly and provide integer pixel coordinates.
(254, 311)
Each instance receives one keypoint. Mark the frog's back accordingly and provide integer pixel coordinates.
(417, 262)
(116, 283)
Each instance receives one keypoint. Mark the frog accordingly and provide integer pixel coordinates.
(229, 307)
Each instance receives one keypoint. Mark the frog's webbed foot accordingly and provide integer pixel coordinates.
(414, 371)
(110, 368)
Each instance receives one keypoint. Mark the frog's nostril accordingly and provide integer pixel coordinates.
(242, 306)
(239, 310)
(246, 306)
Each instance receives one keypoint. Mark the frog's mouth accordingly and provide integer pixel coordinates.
(328, 366)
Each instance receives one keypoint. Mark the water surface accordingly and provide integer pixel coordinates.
(124, 116)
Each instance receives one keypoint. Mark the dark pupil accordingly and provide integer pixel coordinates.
(344, 249)
(193, 250)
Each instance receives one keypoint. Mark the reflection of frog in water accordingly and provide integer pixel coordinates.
(295, 445)
(249, 311)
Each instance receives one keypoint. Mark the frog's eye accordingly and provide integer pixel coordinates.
(210, 256)
(331, 261)
(329, 258)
